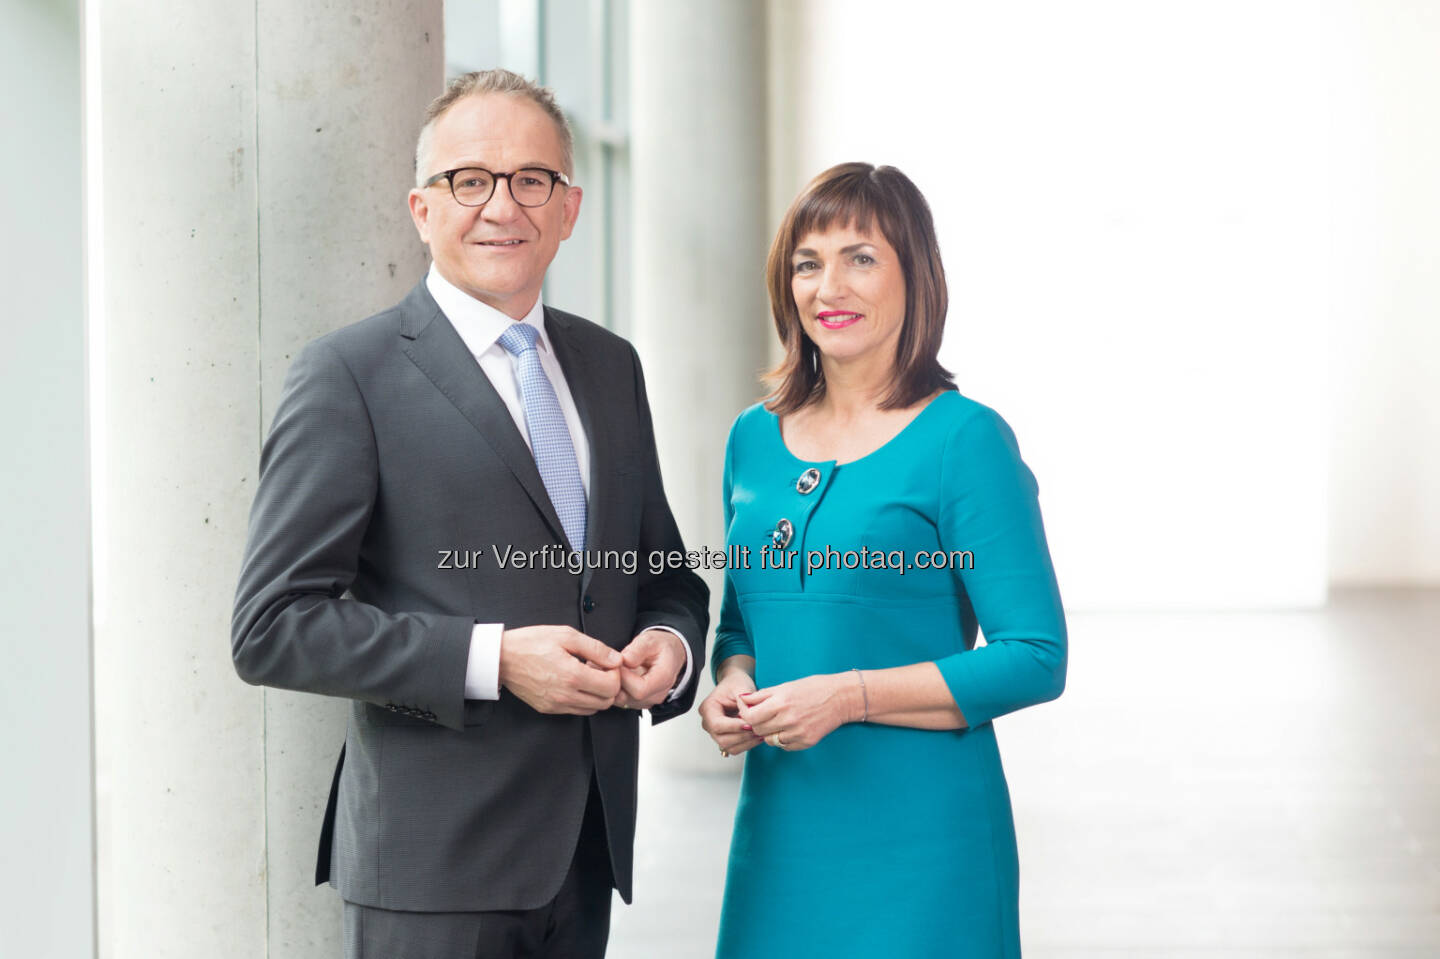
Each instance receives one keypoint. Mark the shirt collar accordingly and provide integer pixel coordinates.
(480, 324)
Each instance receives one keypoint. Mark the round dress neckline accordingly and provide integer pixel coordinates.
(780, 437)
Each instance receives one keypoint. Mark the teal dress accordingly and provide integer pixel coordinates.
(883, 841)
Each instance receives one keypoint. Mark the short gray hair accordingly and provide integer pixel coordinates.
(492, 81)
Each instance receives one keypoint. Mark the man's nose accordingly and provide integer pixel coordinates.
(501, 207)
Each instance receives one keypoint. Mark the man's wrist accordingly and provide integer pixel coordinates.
(682, 676)
(680, 671)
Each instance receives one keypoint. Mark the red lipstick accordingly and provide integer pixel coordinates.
(838, 319)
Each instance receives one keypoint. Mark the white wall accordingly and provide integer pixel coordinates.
(1135, 203)
(47, 897)
(1385, 459)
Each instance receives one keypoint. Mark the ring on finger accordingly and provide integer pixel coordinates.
(774, 740)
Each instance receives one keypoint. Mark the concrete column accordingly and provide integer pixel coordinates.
(342, 90)
(255, 163)
(701, 320)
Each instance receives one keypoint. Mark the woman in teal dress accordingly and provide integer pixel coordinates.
(886, 518)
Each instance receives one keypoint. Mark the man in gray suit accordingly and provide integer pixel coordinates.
(460, 527)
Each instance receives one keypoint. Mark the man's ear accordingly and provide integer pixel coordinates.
(573, 195)
(420, 214)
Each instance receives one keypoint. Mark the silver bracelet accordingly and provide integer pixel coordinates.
(863, 692)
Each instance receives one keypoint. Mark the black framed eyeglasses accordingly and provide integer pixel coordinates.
(473, 185)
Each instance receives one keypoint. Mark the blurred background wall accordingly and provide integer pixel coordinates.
(1192, 253)
(47, 886)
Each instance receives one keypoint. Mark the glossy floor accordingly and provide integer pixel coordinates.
(1211, 784)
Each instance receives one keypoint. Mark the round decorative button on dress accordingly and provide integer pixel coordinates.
(780, 535)
(808, 481)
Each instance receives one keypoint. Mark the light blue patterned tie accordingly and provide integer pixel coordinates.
(549, 436)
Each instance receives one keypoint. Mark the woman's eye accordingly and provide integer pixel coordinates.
(864, 259)
(805, 266)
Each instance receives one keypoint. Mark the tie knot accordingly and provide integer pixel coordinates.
(519, 338)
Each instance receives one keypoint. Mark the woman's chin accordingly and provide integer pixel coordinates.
(839, 351)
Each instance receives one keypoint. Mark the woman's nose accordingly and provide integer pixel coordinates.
(832, 287)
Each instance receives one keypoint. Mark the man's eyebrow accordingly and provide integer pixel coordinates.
(528, 165)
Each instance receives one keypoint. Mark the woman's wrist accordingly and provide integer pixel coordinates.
(851, 693)
(735, 664)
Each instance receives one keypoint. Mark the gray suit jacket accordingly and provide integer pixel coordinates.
(390, 447)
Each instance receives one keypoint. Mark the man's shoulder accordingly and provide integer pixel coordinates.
(380, 328)
(585, 334)
(379, 332)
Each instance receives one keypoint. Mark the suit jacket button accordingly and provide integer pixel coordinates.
(588, 604)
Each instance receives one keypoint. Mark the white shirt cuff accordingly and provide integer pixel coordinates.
(482, 669)
(689, 664)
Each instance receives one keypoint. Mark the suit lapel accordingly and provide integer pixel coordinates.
(432, 344)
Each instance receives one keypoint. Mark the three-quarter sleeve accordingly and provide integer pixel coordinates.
(731, 638)
(989, 506)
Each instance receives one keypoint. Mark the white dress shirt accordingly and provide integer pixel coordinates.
(480, 326)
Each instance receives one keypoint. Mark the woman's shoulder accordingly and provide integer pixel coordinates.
(749, 436)
(967, 423)
(752, 421)
(957, 412)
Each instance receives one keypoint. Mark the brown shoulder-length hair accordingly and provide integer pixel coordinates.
(861, 194)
